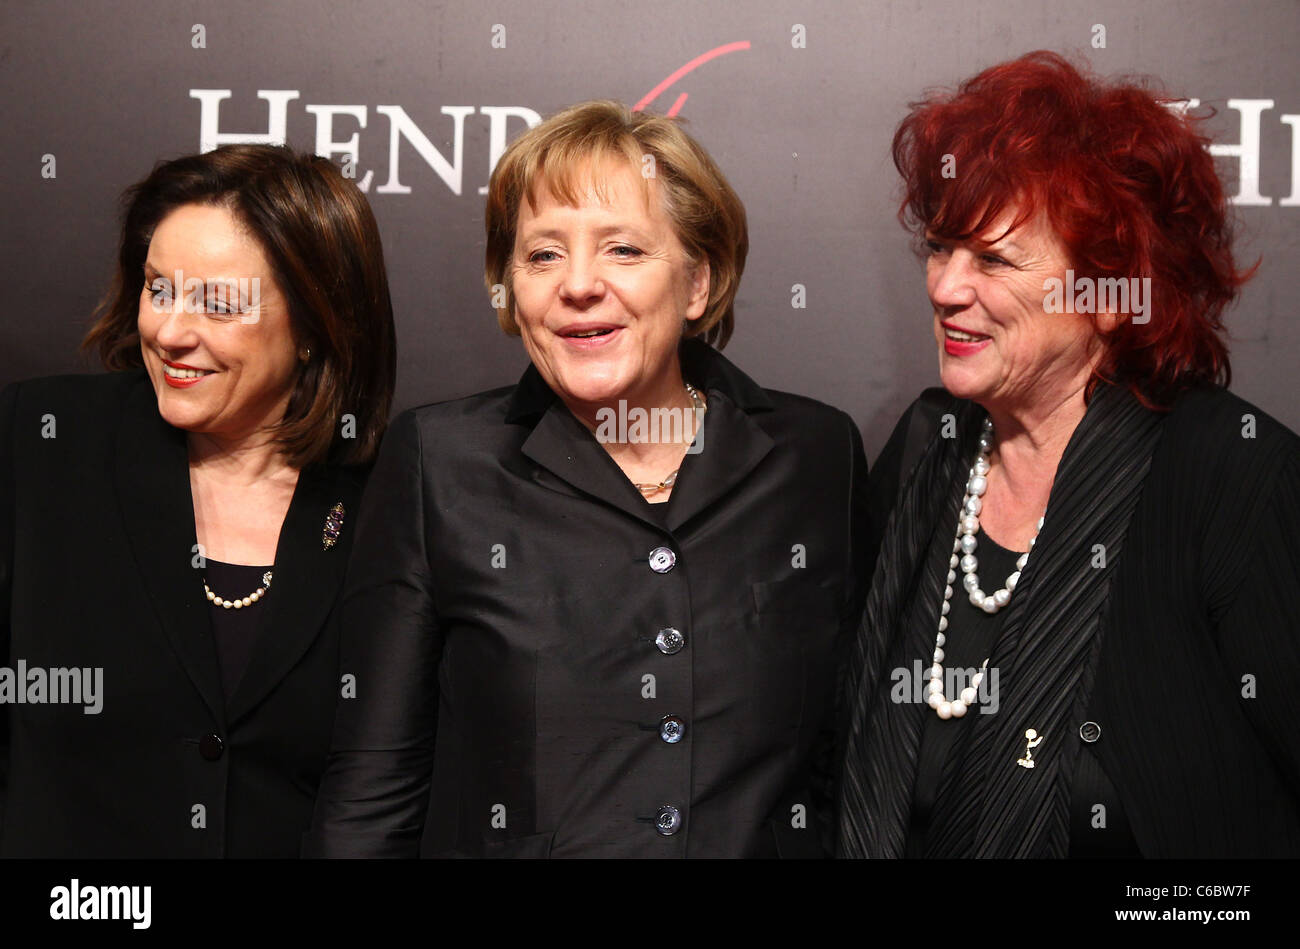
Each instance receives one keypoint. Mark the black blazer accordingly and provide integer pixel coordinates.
(502, 612)
(1187, 684)
(97, 540)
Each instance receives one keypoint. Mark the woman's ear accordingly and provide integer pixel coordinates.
(698, 299)
(1107, 322)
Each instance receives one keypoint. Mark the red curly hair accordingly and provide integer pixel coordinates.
(1125, 181)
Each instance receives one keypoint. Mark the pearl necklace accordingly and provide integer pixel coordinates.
(968, 525)
(240, 602)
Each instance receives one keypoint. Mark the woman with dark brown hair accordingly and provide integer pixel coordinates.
(173, 533)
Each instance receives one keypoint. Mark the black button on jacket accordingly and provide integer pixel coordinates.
(503, 616)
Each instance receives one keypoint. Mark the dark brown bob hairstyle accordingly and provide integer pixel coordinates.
(321, 240)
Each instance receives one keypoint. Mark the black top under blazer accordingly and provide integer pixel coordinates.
(97, 546)
(502, 609)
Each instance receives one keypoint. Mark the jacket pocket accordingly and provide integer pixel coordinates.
(532, 847)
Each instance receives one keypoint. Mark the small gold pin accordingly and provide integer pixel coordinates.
(333, 526)
(1032, 741)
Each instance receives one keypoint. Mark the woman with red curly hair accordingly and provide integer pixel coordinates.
(1080, 634)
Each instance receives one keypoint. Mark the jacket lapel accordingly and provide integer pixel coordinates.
(731, 447)
(1047, 651)
(307, 576)
(153, 489)
(574, 461)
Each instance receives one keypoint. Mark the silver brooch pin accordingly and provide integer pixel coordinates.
(333, 526)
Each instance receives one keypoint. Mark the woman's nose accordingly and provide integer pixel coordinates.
(950, 280)
(582, 283)
(176, 327)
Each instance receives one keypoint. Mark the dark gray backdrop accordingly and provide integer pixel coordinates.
(803, 134)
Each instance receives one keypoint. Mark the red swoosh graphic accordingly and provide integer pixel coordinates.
(693, 64)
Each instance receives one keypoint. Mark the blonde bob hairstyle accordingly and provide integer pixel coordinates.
(707, 216)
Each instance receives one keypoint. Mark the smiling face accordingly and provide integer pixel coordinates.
(998, 345)
(602, 291)
(214, 329)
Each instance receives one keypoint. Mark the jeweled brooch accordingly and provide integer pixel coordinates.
(333, 526)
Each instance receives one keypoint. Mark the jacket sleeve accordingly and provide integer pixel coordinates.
(374, 793)
(8, 401)
(1256, 622)
(826, 756)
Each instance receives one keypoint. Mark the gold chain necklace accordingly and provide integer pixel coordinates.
(649, 489)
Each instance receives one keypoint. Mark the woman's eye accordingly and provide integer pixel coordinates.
(624, 250)
(541, 257)
(934, 247)
(159, 291)
(994, 260)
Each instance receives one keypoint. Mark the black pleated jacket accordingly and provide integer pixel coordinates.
(501, 613)
(1179, 645)
(97, 547)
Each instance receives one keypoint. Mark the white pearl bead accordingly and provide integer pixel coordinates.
(981, 466)
(977, 598)
(967, 544)
(973, 506)
(934, 700)
(952, 562)
(969, 564)
(976, 679)
(952, 577)
(989, 604)
(970, 582)
(947, 593)
(956, 545)
(938, 655)
(941, 638)
(958, 708)
(211, 595)
(227, 604)
(1024, 559)
(977, 485)
(968, 695)
(1012, 581)
(970, 524)
(238, 604)
(943, 625)
(946, 605)
(935, 686)
(1040, 523)
(945, 710)
(1002, 597)
(936, 671)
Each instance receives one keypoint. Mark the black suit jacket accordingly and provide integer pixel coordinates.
(97, 546)
(501, 614)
